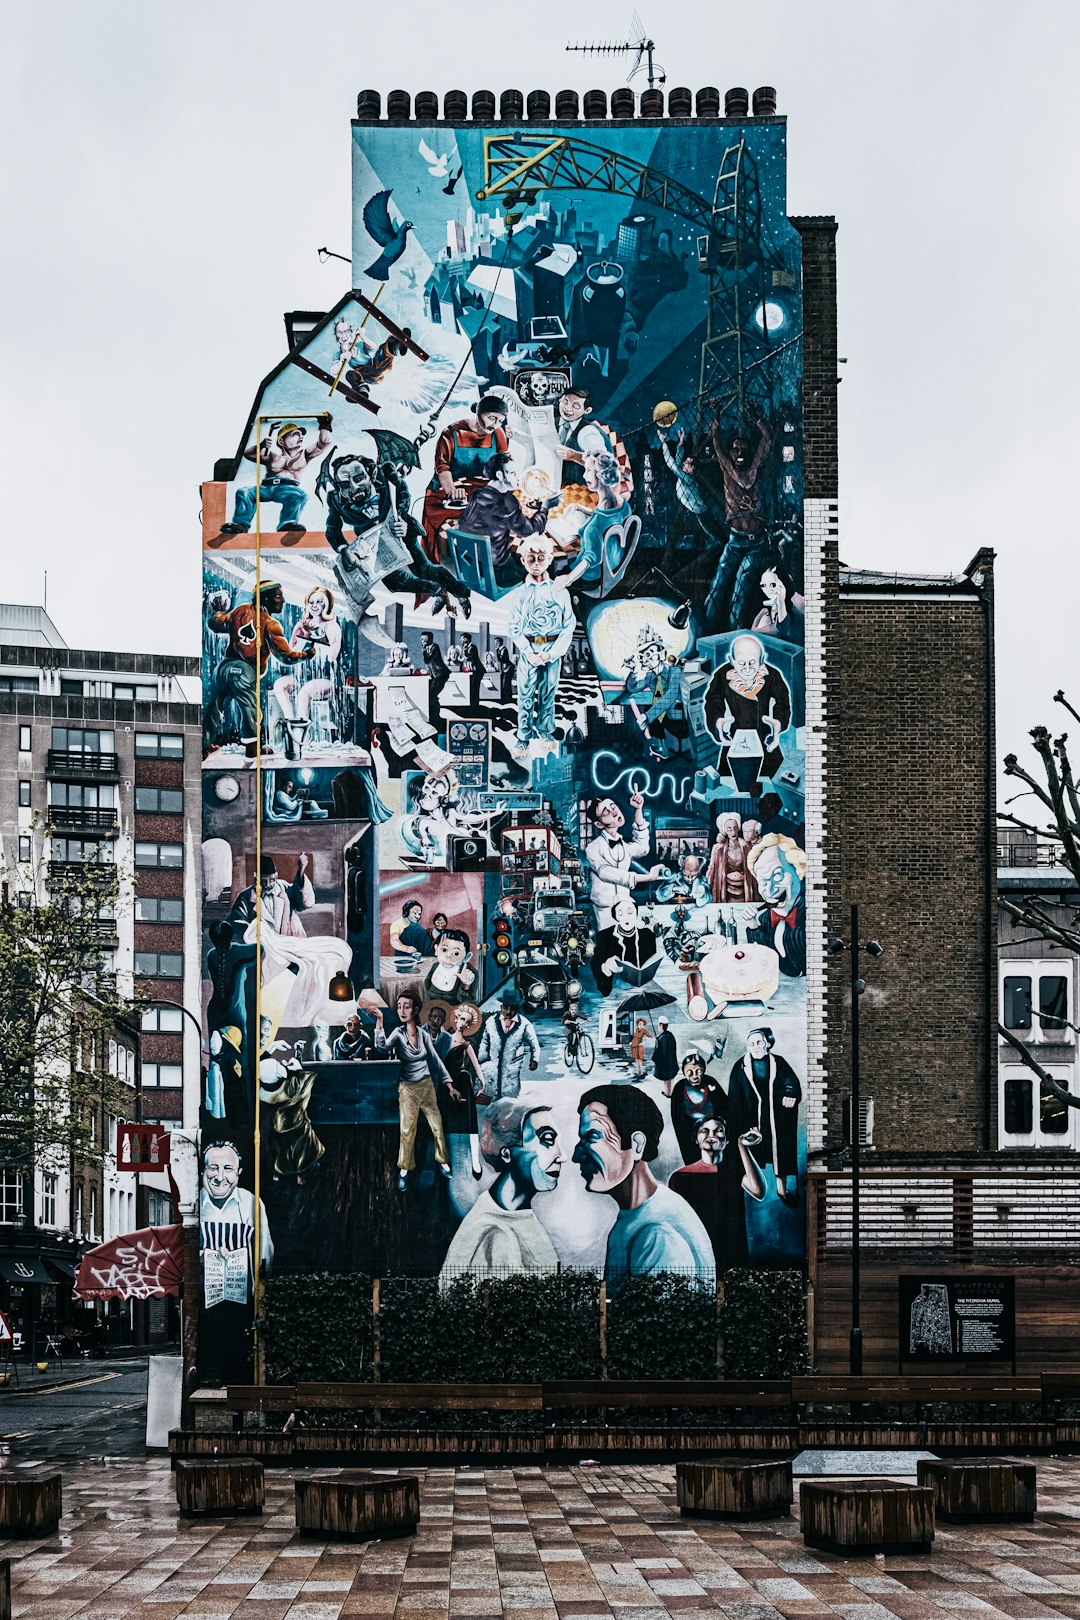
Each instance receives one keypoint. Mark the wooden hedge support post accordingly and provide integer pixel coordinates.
(731, 1488)
(356, 1506)
(980, 1490)
(866, 1516)
(30, 1504)
(220, 1486)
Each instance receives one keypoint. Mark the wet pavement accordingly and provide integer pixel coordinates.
(91, 1409)
(528, 1543)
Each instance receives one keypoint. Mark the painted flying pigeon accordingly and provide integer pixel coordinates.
(390, 237)
(435, 161)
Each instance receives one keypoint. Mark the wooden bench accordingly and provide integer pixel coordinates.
(889, 1390)
(731, 1488)
(976, 1490)
(420, 1397)
(715, 1395)
(30, 1504)
(863, 1516)
(357, 1506)
(220, 1485)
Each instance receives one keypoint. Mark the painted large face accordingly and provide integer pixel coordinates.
(436, 1020)
(711, 1137)
(536, 558)
(406, 1008)
(777, 879)
(609, 817)
(600, 1155)
(354, 481)
(757, 1045)
(652, 656)
(450, 952)
(746, 660)
(539, 1159)
(490, 420)
(292, 441)
(625, 913)
(221, 1172)
(571, 407)
(694, 1072)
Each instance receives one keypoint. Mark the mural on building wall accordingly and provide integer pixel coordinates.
(526, 552)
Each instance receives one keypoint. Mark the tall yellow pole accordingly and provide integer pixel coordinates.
(257, 1280)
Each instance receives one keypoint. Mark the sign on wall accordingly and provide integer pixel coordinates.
(141, 1148)
(957, 1318)
(503, 647)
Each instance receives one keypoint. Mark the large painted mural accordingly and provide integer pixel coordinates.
(504, 726)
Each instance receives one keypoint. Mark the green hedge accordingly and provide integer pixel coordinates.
(533, 1329)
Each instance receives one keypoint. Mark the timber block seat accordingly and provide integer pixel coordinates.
(860, 1516)
(974, 1490)
(220, 1485)
(733, 1488)
(30, 1504)
(354, 1505)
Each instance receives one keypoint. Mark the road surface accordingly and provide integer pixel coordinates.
(100, 1412)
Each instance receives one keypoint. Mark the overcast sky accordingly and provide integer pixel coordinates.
(170, 172)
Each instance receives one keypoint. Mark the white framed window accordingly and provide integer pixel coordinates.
(158, 745)
(163, 1021)
(12, 1197)
(162, 1075)
(1036, 1000)
(1031, 1114)
(158, 965)
(25, 735)
(48, 1199)
(147, 854)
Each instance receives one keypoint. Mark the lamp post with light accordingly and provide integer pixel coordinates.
(858, 985)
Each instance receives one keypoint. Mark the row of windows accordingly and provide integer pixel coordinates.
(77, 740)
(74, 796)
(147, 855)
(19, 683)
(91, 850)
(79, 795)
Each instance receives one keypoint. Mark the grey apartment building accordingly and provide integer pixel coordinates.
(101, 756)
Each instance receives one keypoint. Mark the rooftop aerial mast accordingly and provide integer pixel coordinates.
(640, 45)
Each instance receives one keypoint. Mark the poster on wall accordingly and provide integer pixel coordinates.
(503, 648)
(957, 1319)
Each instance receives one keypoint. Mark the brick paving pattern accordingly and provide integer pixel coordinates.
(528, 1543)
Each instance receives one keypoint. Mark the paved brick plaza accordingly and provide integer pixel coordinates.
(531, 1543)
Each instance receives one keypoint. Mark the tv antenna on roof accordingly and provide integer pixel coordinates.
(640, 45)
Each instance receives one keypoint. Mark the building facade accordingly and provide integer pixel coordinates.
(101, 759)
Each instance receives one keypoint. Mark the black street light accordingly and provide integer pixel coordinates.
(858, 985)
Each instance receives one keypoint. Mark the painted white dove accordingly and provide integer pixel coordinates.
(436, 163)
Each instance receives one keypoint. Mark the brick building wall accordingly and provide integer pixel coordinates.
(911, 822)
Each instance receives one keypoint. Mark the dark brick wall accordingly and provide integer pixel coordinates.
(820, 459)
(911, 838)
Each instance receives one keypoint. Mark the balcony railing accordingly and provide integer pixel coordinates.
(92, 871)
(82, 762)
(92, 821)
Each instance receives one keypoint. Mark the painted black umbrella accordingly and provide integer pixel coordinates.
(646, 1001)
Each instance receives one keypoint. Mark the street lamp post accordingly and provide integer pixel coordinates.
(858, 985)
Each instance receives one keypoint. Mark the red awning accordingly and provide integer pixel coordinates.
(147, 1264)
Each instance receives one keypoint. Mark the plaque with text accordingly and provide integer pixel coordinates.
(957, 1319)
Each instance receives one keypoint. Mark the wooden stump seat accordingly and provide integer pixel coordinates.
(30, 1504)
(220, 1485)
(866, 1516)
(356, 1505)
(971, 1490)
(733, 1488)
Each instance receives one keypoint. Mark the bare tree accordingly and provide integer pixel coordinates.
(58, 1008)
(1053, 786)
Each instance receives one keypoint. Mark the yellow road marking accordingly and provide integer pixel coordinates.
(54, 1389)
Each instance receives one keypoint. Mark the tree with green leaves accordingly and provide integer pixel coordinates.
(59, 1008)
(1053, 786)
